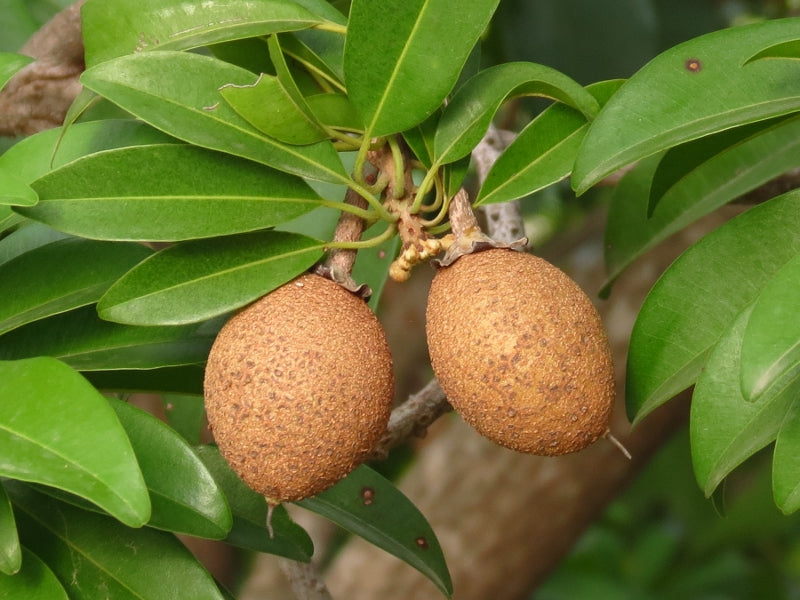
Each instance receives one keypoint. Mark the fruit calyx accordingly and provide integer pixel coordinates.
(467, 234)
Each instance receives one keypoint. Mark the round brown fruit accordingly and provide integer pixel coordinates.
(520, 352)
(298, 388)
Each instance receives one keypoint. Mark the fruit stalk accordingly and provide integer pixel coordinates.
(338, 266)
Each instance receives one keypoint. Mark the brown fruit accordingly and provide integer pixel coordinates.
(299, 388)
(520, 351)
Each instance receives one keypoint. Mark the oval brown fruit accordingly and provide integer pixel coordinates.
(298, 388)
(520, 352)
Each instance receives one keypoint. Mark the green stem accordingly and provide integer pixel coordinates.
(367, 215)
(387, 234)
(399, 188)
(331, 26)
(424, 187)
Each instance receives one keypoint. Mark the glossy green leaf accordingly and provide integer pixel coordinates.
(288, 83)
(114, 28)
(184, 495)
(56, 429)
(187, 379)
(693, 89)
(694, 302)
(324, 9)
(543, 152)
(420, 139)
(197, 280)
(725, 428)
(786, 462)
(284, 120)
(689, 182)
(10, 63)
(90, 552)
(167, 192)
(28, 236)
(371, 507)
(14, 191)
(60, 276)
(34, 156)
(771, 344)
(320, 53)
(9, 219)
(186, 415)
(10, 550)
(87, 343)
(35, 581)
(335, 110)
(679, 163)
(468, 115)
(178, 93)
(250, 515)
(423, 44)
(790, 49)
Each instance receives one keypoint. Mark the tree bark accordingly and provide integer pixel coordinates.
(38, 96)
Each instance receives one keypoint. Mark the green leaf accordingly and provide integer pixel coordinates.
(28, 236)
(468, 115)
(60, 276)
(187, 379)
(10, 63)
(250, 515)
(85, 342)
(8, 219)
(694, 302)
(543, 152)
(114, 28)
(167, 192)
(693, 89)
(679, 163)
(790, 49)
(284, 120)
(423, 44)
(786, 463)
(186, 415)
(371, 507)
(320, 53)
(771, 344)
(335, 110)
(35, 581)
(194, 281)
(689, 182)
(178, 93)
(34, 156)
(57, 430)
(15, 191)
(725, 428)
(10, 550)
(185, 497)
(91, 553)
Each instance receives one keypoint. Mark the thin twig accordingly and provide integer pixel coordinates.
(412, 418)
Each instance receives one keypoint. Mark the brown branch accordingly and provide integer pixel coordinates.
(37, 98)
(412, 418)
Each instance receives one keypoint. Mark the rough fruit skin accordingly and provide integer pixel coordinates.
(520, 352)
(298, 388)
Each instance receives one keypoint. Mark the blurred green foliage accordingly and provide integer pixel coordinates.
(662, 540)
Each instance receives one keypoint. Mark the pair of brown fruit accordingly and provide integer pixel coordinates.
(299, 385)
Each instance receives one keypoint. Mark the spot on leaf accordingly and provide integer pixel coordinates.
(693, 65)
